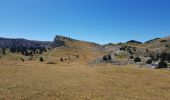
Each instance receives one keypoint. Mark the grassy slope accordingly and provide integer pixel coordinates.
(31, 80)
(156, 45)
(87, 52)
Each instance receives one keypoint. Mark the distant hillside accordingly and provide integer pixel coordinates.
(69, 48)
(8, 43)
(158, 44)
(73, 51)
(134, 41)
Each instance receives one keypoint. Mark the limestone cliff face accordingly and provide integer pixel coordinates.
(58, 41)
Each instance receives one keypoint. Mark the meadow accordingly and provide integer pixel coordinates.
(78, 81)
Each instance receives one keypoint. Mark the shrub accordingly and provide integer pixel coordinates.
(131, 57)
(4, 51)
(22, 59)
(137, 59)
(166, 46)
(162, 64)
(123, 48)
(149, 61)
(163, 56)
(51, 62)
(61, 59)
(107, 57)
(77, 56)
(147, 50)
(163, 41)
(168, 57)
(41, 59)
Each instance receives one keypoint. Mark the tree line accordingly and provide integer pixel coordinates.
(27, 51)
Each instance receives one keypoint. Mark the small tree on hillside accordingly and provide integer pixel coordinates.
(168, 57)
(162, 56)
(4, 51)
(162, 64)
(77, 56)
(61, 59)
(131, 57)
(22, 59)
(149, 61)
(137, 59)
(41, 59)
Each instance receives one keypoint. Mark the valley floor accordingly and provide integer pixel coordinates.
(40, 81)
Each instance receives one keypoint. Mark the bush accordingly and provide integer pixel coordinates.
(22, 59)
(131, 57)
(123, 48)
(149, 61)
(163, 41)
(61, 59)
(107, 57)
(168, 57)
(51, 62)
(162, 64)
(137, 59)
(41, 59)
(4, 51)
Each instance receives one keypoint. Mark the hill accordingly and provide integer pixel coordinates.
(65, 47)
(159, 44)
(75, 51)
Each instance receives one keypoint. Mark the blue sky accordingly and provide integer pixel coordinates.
(100, 21)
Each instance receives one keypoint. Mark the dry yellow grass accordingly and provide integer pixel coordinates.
(39, 81)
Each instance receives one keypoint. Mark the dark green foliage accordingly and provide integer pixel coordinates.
(162, 56)
(147, 50)
(61, 59)
(22, 59)
(162, 64)
(77, 56)
(163, 41)
(166, 46)
(107, 57)
(134, 41)
(137, 59)
(3, 51)
(130, 49)
(41, 59)
(131, 57)
(28, 51)
(149, 61)
(123, 48)
(168, 57)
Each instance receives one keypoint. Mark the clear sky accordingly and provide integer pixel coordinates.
(100, 21)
